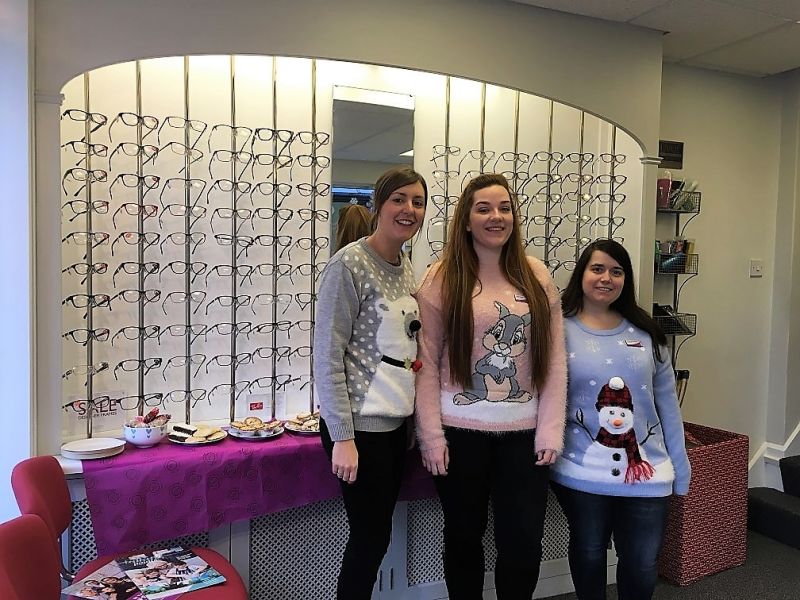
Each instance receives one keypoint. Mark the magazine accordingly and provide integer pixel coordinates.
(107, 583)
(169, 572)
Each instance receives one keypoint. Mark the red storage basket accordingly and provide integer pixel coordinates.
(707, 529)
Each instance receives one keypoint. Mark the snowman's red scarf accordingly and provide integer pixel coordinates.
(638, 468)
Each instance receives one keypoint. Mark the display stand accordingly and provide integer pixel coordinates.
(678, 264)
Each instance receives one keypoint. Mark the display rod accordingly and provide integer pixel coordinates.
(234, 238)
(187, 246)
(482, 140)
(275, 166)
(140, 245)
(89, 243)
(611, 203)
(579, 199)
(548, 205)
(446, 177)
(313, 234)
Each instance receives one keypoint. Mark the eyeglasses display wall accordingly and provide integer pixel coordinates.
(195, 203)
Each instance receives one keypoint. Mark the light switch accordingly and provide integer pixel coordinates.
(756, 267)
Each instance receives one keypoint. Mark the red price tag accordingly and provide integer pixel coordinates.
(256, 406)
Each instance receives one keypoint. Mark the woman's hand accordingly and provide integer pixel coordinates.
(345, 460)
(546, 457)
(436, 460)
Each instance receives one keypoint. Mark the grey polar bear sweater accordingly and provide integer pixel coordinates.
(365, 344)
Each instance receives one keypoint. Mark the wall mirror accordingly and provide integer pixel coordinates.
(372, 132)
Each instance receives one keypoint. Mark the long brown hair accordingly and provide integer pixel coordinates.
(355, 222)
(459, 272)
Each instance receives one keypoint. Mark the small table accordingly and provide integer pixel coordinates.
(145, 495)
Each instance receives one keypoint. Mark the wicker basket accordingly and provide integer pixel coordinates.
(707, 529)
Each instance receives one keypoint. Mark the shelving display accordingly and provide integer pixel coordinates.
(676, 258)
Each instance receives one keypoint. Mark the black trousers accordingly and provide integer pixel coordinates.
(369, 503)
(500, 466)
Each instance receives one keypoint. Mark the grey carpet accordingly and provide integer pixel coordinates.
(772, 572)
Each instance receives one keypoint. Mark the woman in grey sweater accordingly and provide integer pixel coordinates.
(364, 367)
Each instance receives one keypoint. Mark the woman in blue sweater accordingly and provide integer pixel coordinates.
(624, 452)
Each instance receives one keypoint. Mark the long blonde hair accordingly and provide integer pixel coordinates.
(459, 272)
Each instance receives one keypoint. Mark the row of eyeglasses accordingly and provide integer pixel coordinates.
(196, 187)
(177, 397)
(287, 243)
(197, 298)
(196, 360)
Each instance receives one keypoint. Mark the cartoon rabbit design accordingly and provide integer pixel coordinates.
(495, 375)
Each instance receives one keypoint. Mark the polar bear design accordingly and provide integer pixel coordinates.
(391, 390)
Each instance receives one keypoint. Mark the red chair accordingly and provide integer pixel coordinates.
(41, 489)
(28, 563)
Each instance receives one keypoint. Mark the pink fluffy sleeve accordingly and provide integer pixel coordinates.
(553, 395)
(428, 411)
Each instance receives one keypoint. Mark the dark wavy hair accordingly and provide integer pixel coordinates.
(625, 305)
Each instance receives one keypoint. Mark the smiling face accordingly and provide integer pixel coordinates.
(616, 419)
(491, 218)
(603, 281)
(401, 215)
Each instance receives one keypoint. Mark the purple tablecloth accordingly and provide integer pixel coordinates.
(146, 495)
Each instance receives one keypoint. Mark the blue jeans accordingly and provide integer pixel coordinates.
(638, 528)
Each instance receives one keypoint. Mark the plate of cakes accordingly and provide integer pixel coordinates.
(306, 423)
(187, 434)
(254, 429)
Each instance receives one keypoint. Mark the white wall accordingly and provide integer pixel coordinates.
(731, 127)
(15, 243)
(610, 69)
(788, 246)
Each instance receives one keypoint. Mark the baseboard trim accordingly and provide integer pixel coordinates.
(766, 460)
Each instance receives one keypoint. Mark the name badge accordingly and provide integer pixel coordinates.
(633, 344)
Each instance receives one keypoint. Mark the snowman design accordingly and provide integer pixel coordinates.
(615, 449)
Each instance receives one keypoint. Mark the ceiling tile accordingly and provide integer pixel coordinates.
(766, 54)
(789, 9)
(617, 10)
(699, 26)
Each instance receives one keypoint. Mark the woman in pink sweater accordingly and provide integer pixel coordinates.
(491, 393)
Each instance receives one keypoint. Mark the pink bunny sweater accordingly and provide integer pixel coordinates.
(501, 396)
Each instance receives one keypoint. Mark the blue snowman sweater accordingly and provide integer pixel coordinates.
(624, 433)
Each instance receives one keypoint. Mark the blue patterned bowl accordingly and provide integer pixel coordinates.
(144, 437)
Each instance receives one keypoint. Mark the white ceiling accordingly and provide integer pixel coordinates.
(749, 37)
(372, 132)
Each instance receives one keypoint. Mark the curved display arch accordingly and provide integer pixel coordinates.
(179, 172)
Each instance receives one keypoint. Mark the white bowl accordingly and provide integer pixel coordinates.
(144, 437)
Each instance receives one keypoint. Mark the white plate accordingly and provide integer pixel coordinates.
(295, 429)
(90, 446)
(259, 436)
(82, 456)
(204, 442)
